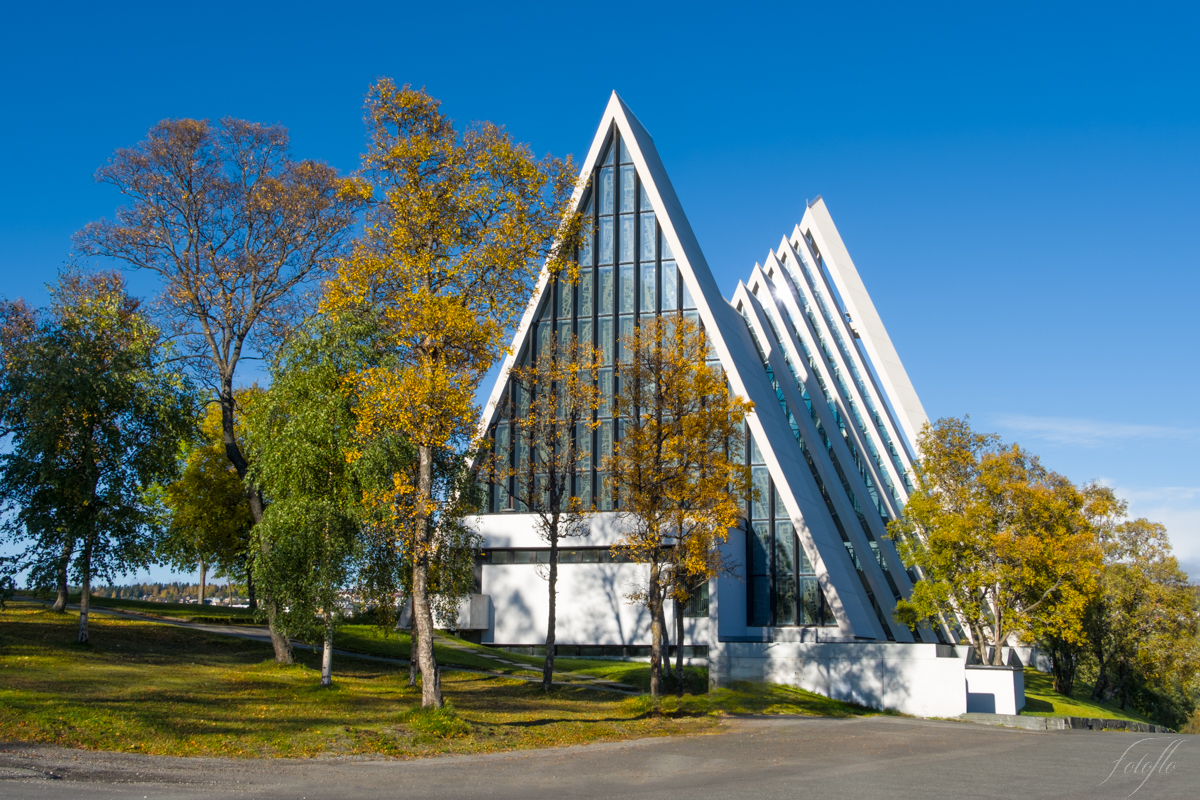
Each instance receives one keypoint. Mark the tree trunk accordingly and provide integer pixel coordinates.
(679, 647)
(203, 575)
(431, 692)
(656, 633)
(85, 595)
(251, 601)
(548, 667)
(1064, 661)
(281, 643)
(1101, 685)
(412, 654)
(327, 654)
(60, 602)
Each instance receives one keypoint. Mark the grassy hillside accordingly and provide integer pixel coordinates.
(1041, 700)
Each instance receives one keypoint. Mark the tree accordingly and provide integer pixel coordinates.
(553, 415)
(209, 517)
(458, 227)
(1143, 626)
(236, 231)
(1005, 546)
(301, 438)
(95, 413)
(674, 467)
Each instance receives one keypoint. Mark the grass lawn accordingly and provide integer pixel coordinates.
(151, 688)
(1042, 701)
(369, 639)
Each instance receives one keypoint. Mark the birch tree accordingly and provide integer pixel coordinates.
(553, 420)
(459, 225)
(301, 435)
(674, 467)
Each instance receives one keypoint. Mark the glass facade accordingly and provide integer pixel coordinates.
(782, 585)
(627, 273)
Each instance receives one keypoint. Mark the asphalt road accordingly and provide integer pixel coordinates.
(830, 759)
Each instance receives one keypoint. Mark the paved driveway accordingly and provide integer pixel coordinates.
(824, 759)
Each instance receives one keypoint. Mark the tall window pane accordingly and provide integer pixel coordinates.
(604, 442)
(606, 392)
(626, 333)
(670, 286)
(810, 602)
(647, 248)
(760, 507)
(785, 600)
(606, 494)
(606, 190)
(566, 296)
(648, 286)
(784, 548)
(628, 288)
(605, 337)
(627, 189)
(585, 333)
(627, 240)
(644, 202)
(502, 455)
(585, 247)
(607, 288)
(585, 293)
(606, 240)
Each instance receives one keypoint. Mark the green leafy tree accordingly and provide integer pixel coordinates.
(1005, 547)
(209, 519)
(1143, 626)
(302, 438)
(94, 412)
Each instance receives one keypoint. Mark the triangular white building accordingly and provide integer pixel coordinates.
(829, 442)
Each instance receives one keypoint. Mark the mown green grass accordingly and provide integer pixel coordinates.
(372, 640)
(1042, 701)
(153, 688)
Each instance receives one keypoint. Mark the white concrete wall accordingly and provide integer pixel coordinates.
(909, 678)
(995, 690)
(521, 530)
(591, 608)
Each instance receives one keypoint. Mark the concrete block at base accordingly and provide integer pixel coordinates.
(925, 680)
(1014, 721)
(995, 690)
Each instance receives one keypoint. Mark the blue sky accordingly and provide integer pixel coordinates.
(1019, 186)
